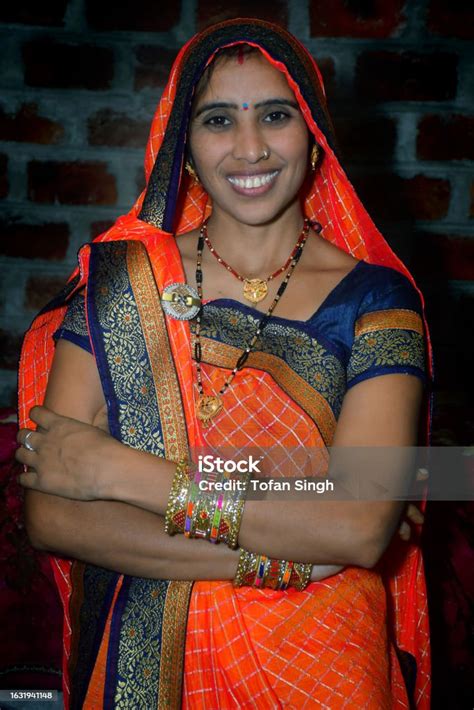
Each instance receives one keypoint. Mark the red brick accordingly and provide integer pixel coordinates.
(366, 140)
(34, 241)
(143, 16)
(355, 18)
(153, 66)
(63, 66)
(211, 11)
(41, 289)
(452, 18)
(390, 197)
(27, 126)
(71, 183)
(107, 127)
(444, 256)
(406, 76)
(3, 175)
(32, 12)
(10, 346)
(100, 227)
(449, 137)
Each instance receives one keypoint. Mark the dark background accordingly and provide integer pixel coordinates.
(79, 81)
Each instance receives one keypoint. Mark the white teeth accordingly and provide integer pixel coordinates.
(252, 182)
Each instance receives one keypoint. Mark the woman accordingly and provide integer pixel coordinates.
(340, 363)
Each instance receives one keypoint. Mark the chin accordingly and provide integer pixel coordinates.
(254, 215)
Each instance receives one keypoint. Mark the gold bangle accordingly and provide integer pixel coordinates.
(233, 509)
(303, 571)
(259, 571)
(246, 567)
(179, 491)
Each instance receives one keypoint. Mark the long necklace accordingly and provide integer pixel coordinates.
(208, 406)
(255, 290)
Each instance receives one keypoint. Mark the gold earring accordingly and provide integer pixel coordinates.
(191, 172)
(314, 156)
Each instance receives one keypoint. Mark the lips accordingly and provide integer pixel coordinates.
(253, 184)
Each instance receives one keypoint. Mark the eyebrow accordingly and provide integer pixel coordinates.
(261, 104)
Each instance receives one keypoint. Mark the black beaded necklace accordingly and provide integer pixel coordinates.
(208, 406)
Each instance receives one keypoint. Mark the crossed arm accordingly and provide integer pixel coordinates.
(92, 498)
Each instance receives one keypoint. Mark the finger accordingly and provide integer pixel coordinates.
(415, 514)
(29, 458)
(20, 436)
(29, 479)
(422, 474)
(42, 416)
(404, 531)
(28, 438)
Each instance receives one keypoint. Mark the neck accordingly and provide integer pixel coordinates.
(255, 250)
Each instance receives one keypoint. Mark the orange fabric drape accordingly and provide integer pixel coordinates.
(232, 642)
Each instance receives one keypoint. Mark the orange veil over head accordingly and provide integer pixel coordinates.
(172, 204)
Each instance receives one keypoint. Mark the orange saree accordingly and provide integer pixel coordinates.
(343, 641)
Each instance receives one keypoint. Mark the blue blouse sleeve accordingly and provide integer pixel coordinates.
(74, 325)
(388, 332)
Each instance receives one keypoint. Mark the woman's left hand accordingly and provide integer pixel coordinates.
(413, 515)
(65, 455)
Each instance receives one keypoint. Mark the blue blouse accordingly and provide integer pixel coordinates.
(370, 324)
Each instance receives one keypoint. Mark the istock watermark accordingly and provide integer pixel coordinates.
(339, 473)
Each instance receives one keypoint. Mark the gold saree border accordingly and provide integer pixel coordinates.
(155, 333)
(397, 318)
(168, 394)
(309, 399)
(173, 645)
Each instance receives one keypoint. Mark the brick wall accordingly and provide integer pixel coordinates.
(79, 82)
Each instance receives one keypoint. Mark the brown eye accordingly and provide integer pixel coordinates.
(277, 117)
(217, 121)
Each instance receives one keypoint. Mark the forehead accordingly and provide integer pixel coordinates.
(246, 78)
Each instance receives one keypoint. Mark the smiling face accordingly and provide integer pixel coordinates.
(249, 140)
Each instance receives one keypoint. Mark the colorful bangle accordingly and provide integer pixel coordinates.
(262, 572)
(176, 508)
(233, 508)
(215, 516)
(286, 568)
(216, 520)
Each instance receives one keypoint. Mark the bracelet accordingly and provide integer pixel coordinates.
(302, 572)
(262, 572)
(175, 516)
(233, 509)
(215, 516)
(246, 568)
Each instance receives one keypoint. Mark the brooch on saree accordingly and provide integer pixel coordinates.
(180, 301)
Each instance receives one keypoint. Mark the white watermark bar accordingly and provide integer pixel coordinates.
(25, 696)
(340, 473)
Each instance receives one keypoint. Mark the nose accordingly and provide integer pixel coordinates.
(249, 143)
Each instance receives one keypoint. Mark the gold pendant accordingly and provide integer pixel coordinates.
(207, 408)
(255, 290)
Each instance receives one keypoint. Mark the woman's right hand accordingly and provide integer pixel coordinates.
(64, 455)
